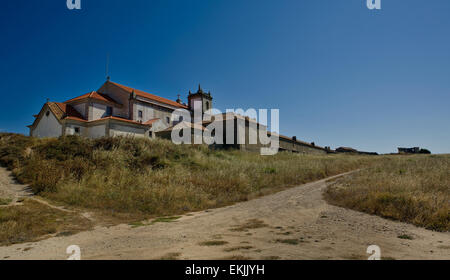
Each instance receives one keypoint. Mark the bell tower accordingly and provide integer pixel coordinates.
(200, 100)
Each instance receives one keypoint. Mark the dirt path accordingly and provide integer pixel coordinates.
(10, 189)
(293, 224)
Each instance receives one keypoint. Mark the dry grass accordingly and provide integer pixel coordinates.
(288, 241)
(251, 224)
(32, 221)
(238, 248)
(213, 243)
(5, 201)
(171, 257)
(150, 178)
(413, 189)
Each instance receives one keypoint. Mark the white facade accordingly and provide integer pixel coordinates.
(112, 110)
(97, 131)
(128, 131)
(48, 126)
(97, 111)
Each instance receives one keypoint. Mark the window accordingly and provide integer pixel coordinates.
(109, 111)
(47, 114)
(140, 114)
(207, 105)
(77, 130)
(168, 120)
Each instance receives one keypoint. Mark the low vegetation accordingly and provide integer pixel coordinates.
(155, 177)
(289, 241)
(33, 220)
(213, 243)
(136, 179)
(5, 201)
(413, 189)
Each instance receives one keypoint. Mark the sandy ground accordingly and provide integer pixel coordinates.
(10, 189)
(292, 224)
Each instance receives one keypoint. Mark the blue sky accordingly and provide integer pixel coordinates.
(341, 75)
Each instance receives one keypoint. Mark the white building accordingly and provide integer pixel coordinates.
(112, 110)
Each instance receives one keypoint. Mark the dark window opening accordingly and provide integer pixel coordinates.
(140, 114)
(77, 130)
(47, 114)
(109, 111)
(168, 120)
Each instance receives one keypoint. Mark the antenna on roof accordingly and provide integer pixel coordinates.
(107, 67)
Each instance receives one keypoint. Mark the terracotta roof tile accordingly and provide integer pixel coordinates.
(94, 95)
(150, 96)
(69, 111)
(151, 122)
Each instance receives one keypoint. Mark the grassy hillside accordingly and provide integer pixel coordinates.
(413, 189)
(156, 177)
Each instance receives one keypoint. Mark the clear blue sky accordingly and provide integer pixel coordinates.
(341, 75)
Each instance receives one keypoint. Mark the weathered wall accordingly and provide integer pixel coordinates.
(97, 131)
(47, 126)
(150, 112)
(97, 111)
(120, 96)
(116, 129)
(298, 147)
(250, 135)
(168, 135)
(69, 129)
(81, 108)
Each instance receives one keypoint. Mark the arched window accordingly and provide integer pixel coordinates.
(207, 105)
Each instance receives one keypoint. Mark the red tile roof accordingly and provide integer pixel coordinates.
(150, 96)
(95, 95)
(69, 111)
(151, 122)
